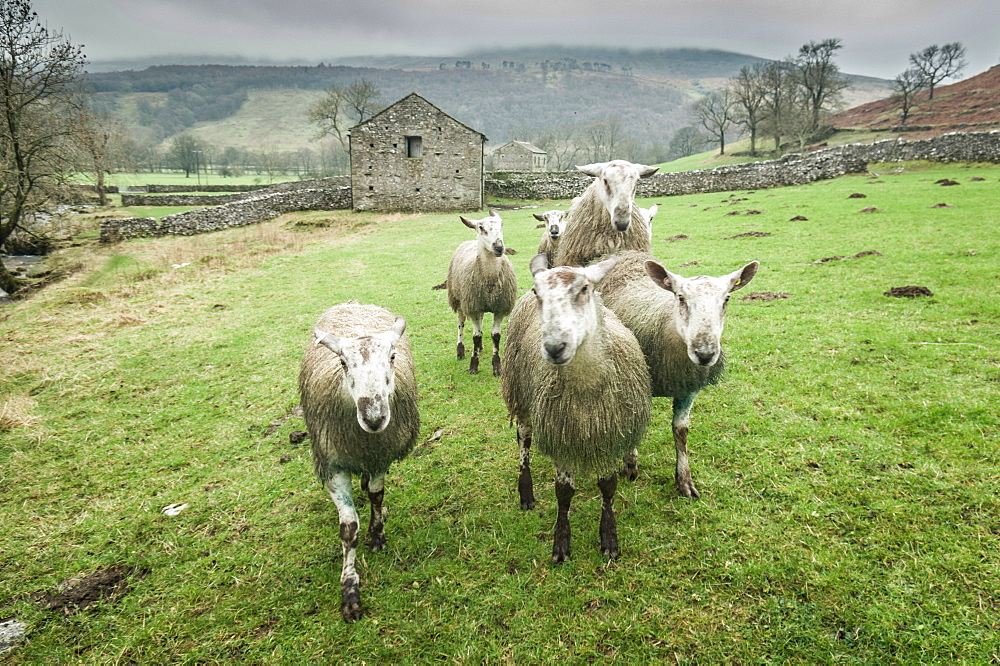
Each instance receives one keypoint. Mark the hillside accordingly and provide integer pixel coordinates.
(973, 103)
(500, 93)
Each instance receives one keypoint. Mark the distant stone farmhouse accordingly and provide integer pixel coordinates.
(412, 156)
(520, 156)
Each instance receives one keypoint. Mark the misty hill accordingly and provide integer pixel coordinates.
(970, 104)
(504, 94)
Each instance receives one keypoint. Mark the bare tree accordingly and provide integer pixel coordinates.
(937, 63)
(904, 89)
(749, 93)
(780, 94)
(39, 75)
(342, 106)
(819, 76)
(716, 113)
(363, 99)
(101, 139)
(187, 153)
(562, 145)
(605, 139)
(687, 141)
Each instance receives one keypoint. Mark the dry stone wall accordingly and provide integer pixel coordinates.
(792, 169)
(249, 210)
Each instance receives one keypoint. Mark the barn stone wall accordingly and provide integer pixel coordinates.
(447, 176)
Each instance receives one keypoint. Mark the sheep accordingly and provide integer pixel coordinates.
(678, 322)
(481, 279)
(359, 400)
(605, 218)
(575, 380)
(554, 222)
(647, 216)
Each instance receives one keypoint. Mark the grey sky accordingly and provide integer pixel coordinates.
(878, 35)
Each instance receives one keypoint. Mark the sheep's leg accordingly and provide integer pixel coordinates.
(497, 322)
(339, 487)
(461, 335)
(564, 495)
(525, 487)
(375, 487)
(630, 465)
(609, 528)
(477, 342)
(681, 420)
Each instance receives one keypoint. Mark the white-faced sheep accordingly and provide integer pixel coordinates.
(359, 399)
(481, 279)
(575, 380)
(647, 216)
(605, 219)
(554, 222)
(678, 322)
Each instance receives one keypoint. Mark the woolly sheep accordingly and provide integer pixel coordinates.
(481, 279)
(359, 399)
(554, 222)
(605, 219)
(678, 322)
(647, 216)
(576, 382)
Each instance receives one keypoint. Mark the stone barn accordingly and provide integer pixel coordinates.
(412, 156)
(519, 156)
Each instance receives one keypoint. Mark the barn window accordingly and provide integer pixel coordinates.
(414, 146)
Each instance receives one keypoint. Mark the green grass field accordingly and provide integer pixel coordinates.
(849, 466)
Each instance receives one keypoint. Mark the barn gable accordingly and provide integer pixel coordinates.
(412, 156)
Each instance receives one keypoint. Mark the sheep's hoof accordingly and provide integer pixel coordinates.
(350, 602)
(630, 472)
(496, 365)
(376, 542)
(529, 505)
(559, 554)
(461, 350)
(610, 551)
(686, 488)
(474, 366)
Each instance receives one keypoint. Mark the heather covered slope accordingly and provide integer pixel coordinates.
(972, 104)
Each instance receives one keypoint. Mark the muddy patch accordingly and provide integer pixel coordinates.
(909, 291)
(864, 253)
(764, 296)
(108, 584)
(750, 234)
(941, 205)
(870, 209)
(799, 218)
(676, 238)
(946, 182)
(857, 195)
(443, 285)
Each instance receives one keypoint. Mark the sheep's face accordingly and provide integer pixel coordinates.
(700, 307)
(568, 309)
(647, 216)
(489, 232)
(554, 223)
(615, 187)
(367, 369)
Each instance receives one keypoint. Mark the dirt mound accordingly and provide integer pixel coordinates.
(764, 296)
(109, 583)
(910, 291)
(750, 234)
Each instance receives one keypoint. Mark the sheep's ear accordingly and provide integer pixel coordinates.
(646, 171)
(660, 275)
(597, 272)
(739, 279)
(331, 342)
(594, 170)
(467, 222)
(540, 226)
(539, 263)
(493, 213)
(540, 218)
(398, 327)
(652, 211)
